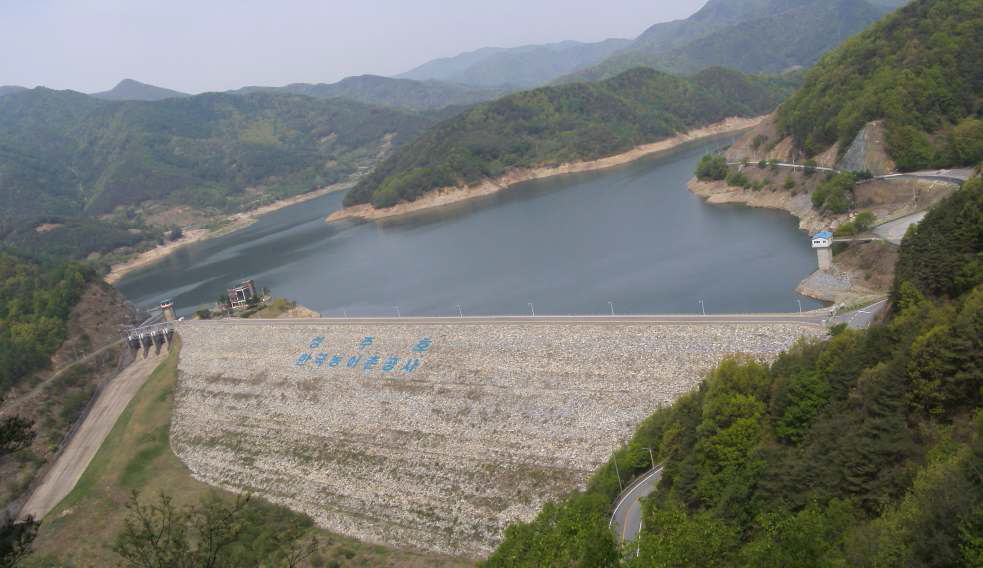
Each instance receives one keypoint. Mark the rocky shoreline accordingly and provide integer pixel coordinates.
(452, 195)
(799, 205)
(234, 222)
(846, 283)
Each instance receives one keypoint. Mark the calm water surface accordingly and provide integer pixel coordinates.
(632, 235)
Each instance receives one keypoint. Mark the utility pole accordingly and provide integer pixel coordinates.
(533, 309)
(460, 312)
(618, 472)
(703, 308)
(651, 457)
(800, 306)
(612, 308)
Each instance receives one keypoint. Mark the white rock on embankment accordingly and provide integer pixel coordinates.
(496, 419)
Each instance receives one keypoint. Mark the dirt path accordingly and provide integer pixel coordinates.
(65, 473)
(18, 402)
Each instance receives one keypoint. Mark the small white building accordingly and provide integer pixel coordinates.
(822, 242)
(822, 239)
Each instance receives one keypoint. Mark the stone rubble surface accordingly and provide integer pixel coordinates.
(495, 421)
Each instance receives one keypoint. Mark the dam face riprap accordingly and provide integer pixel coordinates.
(432, 436)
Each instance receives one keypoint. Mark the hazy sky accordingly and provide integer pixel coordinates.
(200, 45)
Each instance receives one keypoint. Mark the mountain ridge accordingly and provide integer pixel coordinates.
(772, 36)
(523, 66)
(390, 92)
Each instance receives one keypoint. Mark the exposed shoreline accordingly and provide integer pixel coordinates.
(235, 222)
(842, 285)
(452, 195)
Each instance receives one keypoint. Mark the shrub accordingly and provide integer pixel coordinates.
(810, 168)
(737, 179)
(763, 164)
(712, 167)
(789, 183)
(834, 195)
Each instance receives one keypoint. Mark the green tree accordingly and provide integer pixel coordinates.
(679, 539)
(712, 167)
(213, 534)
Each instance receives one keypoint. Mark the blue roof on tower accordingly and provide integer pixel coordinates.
(823, 235)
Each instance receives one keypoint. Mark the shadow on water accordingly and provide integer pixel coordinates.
(632, 235)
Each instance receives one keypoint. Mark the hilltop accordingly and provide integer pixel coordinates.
(130, 90)
(557, 125)
(398, 93)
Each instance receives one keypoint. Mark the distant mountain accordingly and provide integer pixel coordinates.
(526, 66)
(753, 36)
(9, 89)
(66, 153)
(385, 91)
(569, 123)
(130, 90)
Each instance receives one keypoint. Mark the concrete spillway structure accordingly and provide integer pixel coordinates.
(432, 435)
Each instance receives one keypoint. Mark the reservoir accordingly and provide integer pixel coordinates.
(632, 236)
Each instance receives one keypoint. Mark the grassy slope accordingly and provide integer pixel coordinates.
(136, 456)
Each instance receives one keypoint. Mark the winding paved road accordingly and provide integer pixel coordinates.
(627, 517)
(956, 176)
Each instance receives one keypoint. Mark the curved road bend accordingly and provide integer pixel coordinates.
(626, 520)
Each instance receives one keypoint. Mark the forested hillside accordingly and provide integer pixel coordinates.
(427, 95)
(35, 301)
(862, 450)
(66, 153)
(554, 125)
(918, 70)
(763, 36)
